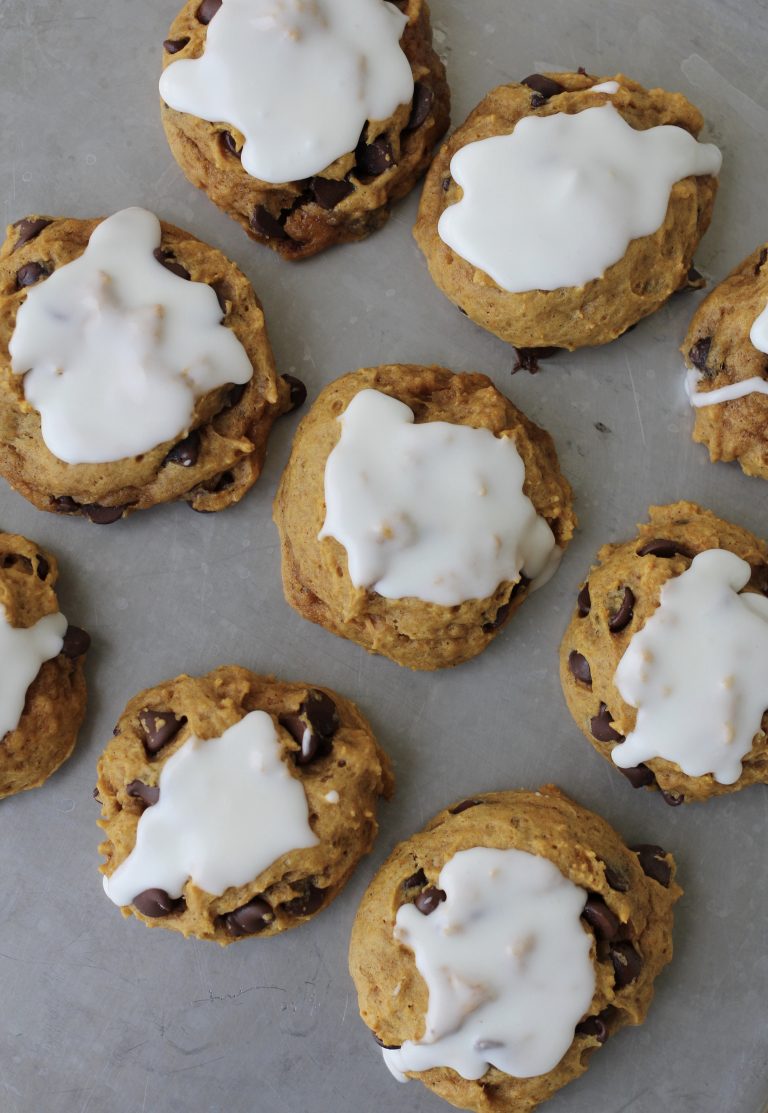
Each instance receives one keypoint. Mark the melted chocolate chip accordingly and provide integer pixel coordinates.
(306, 903)
(76, 643)
(527, 359)
(593, 1026)
(627, 963)
(103, 515)
(328, 192)
(173, 46)
(29, 274)
(207, 10)
(623, 616)
(463, 806)
(446, 184)
(148, 794)
(674, 799)
(600, 918)
(639, 776)
(159, 727)
(267, 225)
(229, 144)
(156, 902)
(699, 353)
(664, 547)
(20, 563)
(546, 87)
(498, 620)
(170, 262)
(298, 391)
(579, 666)
(423, 99)
(416, 881)
(65, 504)
(28, 230)
(653, 862)
(428, 899)
(584, 601)
(617, 881)
(374, 158)
(249, 919)
(43, 567)
(601, 728)
(186, 452)
(313, 726)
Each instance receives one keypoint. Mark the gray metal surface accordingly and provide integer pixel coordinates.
(98, 1014)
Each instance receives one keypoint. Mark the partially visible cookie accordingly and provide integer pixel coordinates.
(418, 510)
(328, 114)
(515, 931)
(565, 208)
(726, 352)
(146, 353)
(235, 804)
(42, 686)
(664, 664)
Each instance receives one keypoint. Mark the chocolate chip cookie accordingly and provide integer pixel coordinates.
(42, 689)
(300, 804)
(438, 612)
(626, 901)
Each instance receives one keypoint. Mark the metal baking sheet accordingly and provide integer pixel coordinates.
(99, 1014)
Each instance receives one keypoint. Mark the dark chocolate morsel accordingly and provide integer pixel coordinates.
(527, 359)
(623, 616)
(186, 452)
(423, 99)
(498, 619)
(313, 726)
(695, 280)
(76, 642)
(229, 145)
(579, 666)
(674, 799)
(386, 1046)
(28, 230)
(416, 881)
(593, 1026)
(446, 184)
(699, 353)
(168, 260)
(65, 504)
(156, 902)
(374, 158)
(306, 902)
(173, 46)
(639, 776)
(102, 515)
(15, 560)
(664, 547)
(43, 567)
(601, 728)
(463, 806)
(545, 86)
(627, 963)
(330, 192)
(583, 601)
(159, 728)
(207, 10)
(428, 899)
(617, 881)
(267, 225)
(223, 293)
(298, 391)
(148, 794)
(600, 918)
(654, 862)
(29, 274)
(249, 919)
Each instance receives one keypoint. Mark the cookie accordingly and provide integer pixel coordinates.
(235, 804)
(559, 214)
(665, 660)
(418, 510)
(192, 389)
(499, 948)
(42, 686)
(307, 124)
(726, 352)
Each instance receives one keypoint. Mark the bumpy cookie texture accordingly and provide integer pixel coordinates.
(339, 756)
(347, 200)
(622, 592)
(719, 349)
(316, 579)
(222, 455)
(629, 911)
(653, 267)
(55, 703)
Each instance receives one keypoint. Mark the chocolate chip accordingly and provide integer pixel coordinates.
(546, 87)
(428, 899)
(498, 620)
(463, 806)
(267, 225)
(148, 794)
(695, 280)
(298, 391)
(627, 963)
(600, 918)
(537, 100)
(156, 902)
(386, 1046)
(423, 99)
(170, 262)
(329, 192)
(638, 775)
(416, 881)
(699, 353)
(229, 144)
(159, 727)
(527, 359)
(674, 799)
(173, 46)
(28, 230)
(102, 515)
(579, 666)
(582, 71)
(207, 10)
(223, 293)
(65, 504)
(15, 560)
(593, 1026)
(601, 728)
(653, 860)
(373, 158)
(29, 274)
(623, 616)
(186, 452)
(664, 547)
(313, 726)
(43, 567)
(761, 260)
(249, 919)
(583, 601)
(306, 903)
(76, 643)
(617, 881)
(446, 184)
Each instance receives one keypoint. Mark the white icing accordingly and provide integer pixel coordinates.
(610, 87)
(115, 349)
(228, 809)
(698, 671)
(332, 797)
(697, 398)
(758, 334)
(298, 79)
(507, 963)
(22, 653)
(557, 202)
(431, 510)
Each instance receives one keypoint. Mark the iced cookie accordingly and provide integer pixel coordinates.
(664, 665)
(135, 368)
(42, 686)
(726, 351)
(568, 207)
(418, 510)
(303, 121)
(498, 949)
(235, 804)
